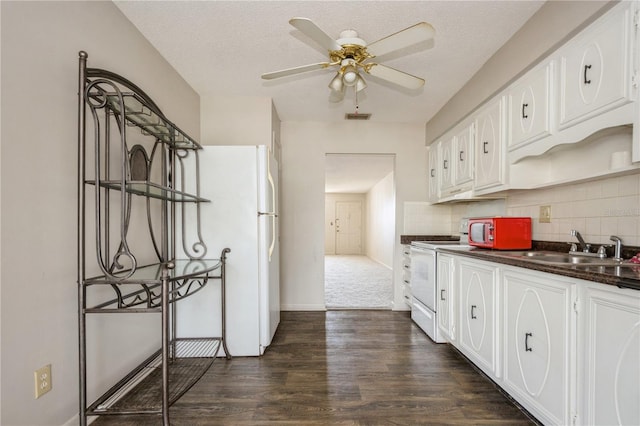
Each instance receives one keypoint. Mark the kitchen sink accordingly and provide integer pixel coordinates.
(553, 257)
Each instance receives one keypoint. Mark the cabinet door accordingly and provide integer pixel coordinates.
(406, 273)
(477, 317)
(489, 146)
(611, 366)
(446, 170)
(463, 158)
(538, 336)
(529, 109)
(594, 69)
(432, 159)
(445, 296)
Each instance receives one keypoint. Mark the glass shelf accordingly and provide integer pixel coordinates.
(152, 274)
(138, 114)
(150, 189)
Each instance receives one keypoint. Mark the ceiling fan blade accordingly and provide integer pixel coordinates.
(315, 33)
(407, 37)
(296, 70)
(394, 76)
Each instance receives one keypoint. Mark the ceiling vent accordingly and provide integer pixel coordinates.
(356, 116)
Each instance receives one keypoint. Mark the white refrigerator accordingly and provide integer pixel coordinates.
(241, 183)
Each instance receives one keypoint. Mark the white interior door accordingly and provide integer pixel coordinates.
(348, 227)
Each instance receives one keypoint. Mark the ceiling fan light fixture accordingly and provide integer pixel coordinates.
(350, 75)
(336, 83)
(360, 84)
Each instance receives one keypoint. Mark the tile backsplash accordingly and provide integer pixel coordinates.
(422, 218)
(597, 209)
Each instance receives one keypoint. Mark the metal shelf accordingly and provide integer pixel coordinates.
(113, 236)
(141, 114)
(150, 189)
(142, 291)
(141, 391)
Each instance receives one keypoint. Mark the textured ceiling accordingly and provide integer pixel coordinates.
(222, 48)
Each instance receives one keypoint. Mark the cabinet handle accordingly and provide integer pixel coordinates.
(526, 342)
(433, 172)
(445, 164)
(461, 154)
(442, 294)
(586, 80)
(524, 115)
(484, 147)
(473, 314)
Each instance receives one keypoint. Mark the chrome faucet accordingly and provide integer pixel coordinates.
(618, 250)
(583, 245)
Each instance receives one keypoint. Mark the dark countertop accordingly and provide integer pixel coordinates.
(620, 276)
(407, 239)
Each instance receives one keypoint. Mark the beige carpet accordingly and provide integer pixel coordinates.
(356, 282)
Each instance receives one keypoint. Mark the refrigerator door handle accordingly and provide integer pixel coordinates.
(273, 206)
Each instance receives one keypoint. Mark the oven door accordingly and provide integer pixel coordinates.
(423, 276)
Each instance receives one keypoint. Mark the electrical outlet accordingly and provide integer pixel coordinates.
(43, 382)
(545, 214)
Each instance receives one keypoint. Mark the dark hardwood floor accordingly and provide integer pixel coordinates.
(342, 368)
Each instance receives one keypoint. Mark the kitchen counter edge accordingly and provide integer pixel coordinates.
(626, 277)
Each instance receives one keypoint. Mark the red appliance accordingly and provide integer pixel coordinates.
(500, 233)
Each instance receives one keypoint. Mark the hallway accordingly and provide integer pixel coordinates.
(356, 282)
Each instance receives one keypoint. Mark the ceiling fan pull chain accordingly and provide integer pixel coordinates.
(356, 92)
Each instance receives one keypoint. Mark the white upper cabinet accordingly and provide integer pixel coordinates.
(445, 151)
(490, 164)
(587, 86)
(455, 162)
(595, 68)
(463, 159)
(529, 106)
(433, 178)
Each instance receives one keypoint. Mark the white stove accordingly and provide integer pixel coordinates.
(424, 280)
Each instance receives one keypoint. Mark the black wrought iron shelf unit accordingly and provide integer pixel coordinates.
(130, 157)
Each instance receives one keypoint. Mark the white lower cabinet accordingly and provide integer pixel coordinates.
(610, 363)
(538, 343)
(406, 274)
(477, 314)
(566, 349)
(445, 296)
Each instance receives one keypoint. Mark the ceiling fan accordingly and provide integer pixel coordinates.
(351, 54)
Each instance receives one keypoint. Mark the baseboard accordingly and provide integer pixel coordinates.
(295, 307)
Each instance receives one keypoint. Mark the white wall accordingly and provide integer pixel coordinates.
(40, 44)
(381, 219)
(237, 120)
(304, 146)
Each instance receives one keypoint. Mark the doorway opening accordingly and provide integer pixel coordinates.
(359, 230)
